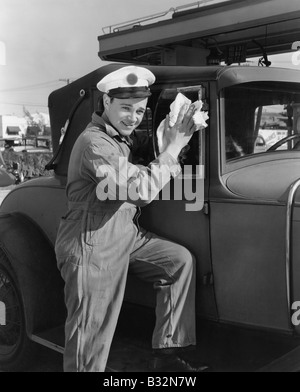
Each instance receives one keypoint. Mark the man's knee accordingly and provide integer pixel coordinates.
(184, 260)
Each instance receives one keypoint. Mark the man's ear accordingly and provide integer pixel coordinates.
(106, 101)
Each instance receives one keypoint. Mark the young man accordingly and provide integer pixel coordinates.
(99, 238)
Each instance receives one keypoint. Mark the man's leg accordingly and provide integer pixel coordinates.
(171, 269)
(93, 298)
(95, 275)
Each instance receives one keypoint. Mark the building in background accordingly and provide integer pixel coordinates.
(12, 127)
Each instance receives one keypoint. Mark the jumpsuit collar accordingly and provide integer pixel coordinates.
(97, 119)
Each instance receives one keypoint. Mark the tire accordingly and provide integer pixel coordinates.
(16, 350)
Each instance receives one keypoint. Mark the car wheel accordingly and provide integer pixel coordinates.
(15, 347)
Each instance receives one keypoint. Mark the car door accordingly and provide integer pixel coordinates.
(248, 203)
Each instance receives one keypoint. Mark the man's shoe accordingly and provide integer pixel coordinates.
(173, 363)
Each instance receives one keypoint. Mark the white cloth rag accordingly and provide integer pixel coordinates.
(200, 117)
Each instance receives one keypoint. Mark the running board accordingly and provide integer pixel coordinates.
(46, 343)
(52, 338)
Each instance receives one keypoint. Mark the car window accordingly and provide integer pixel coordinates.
(275, 124)
(192, 154)
(142, 138)
(261, 119)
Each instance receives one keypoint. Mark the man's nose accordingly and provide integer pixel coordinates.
(132, 117)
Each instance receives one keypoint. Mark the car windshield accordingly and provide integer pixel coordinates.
(261, 118)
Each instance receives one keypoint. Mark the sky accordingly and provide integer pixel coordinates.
(44, 43)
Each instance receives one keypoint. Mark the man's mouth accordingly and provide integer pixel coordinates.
(128, 125)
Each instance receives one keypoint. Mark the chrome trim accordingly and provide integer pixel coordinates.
(289, 216)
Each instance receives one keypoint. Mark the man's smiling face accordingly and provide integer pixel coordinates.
(125, 115)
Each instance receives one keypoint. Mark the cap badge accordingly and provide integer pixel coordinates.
(132, 79)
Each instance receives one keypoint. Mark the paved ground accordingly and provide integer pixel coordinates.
(46, 361)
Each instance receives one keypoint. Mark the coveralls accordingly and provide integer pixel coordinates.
(99, 240)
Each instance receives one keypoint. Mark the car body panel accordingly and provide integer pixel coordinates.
(32, 259)
(268, 181)
(42, 191)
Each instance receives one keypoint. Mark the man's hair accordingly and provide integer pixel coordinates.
(100, 105)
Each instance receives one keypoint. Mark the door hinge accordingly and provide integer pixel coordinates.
(206, 208)
(208, 279)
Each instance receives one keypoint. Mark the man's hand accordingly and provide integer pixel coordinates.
(179, 135)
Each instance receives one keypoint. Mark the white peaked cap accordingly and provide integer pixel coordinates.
(130, 78)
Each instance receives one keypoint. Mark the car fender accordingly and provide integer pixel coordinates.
(33, 262)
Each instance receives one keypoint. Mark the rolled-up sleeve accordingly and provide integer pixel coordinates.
(118, 179)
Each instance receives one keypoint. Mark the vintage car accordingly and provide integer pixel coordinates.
(240, 216)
